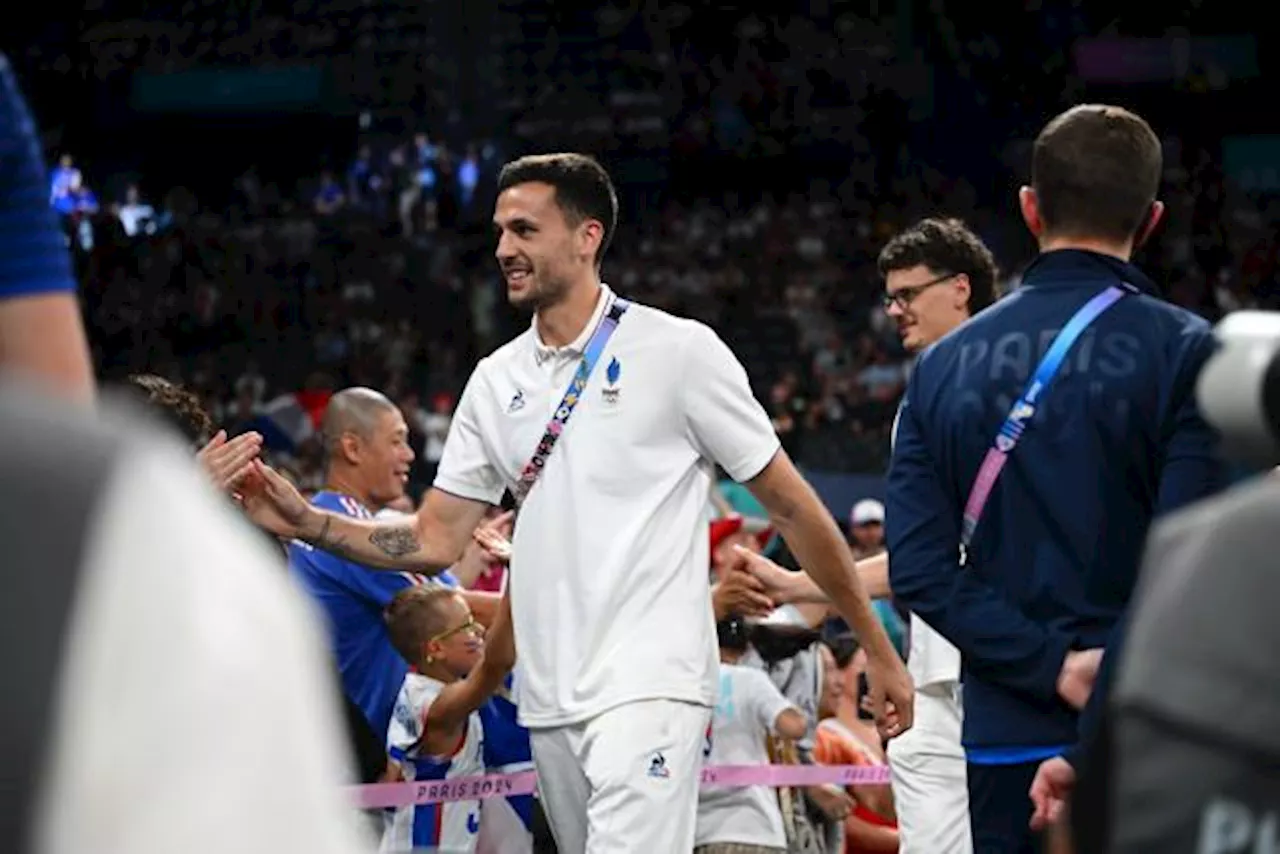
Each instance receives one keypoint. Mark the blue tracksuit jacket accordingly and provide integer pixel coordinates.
(1116, 440)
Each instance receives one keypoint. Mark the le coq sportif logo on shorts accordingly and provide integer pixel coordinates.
(658, 766)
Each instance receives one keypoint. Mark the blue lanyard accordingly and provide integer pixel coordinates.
(555, 427)
(1015, 424)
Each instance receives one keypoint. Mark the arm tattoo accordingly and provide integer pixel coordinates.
(324, 532)
(335, 543)
(397, 541)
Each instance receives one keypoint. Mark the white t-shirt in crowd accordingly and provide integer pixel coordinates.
(746, 715)
(197, 709)
(610, 553)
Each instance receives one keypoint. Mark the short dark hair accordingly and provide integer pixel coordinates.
(843, 648)
(176, 406)
(414, 616)
(944, 246)
(583, 188)
(1096, 171)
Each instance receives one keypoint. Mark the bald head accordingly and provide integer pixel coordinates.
(352, 411)
(366, 446)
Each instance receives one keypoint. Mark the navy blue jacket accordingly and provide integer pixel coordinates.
(1116, 440)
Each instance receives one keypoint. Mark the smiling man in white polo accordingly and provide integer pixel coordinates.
(606, 420)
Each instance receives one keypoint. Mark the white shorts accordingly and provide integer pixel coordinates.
(625, 781)
(930, 792)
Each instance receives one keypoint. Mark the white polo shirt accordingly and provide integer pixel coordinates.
(610, 554)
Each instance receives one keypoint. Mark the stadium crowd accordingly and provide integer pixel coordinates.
(374, 268)
(280, 295)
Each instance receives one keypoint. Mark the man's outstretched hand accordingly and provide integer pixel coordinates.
(778, 584)
(890, 694)
(271, 502)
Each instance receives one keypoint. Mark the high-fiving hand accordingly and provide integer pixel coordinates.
(494, 537)
(227, 462)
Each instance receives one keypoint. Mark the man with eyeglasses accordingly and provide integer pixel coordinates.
(937, 274)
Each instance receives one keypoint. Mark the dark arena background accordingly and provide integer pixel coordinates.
(763, 156)
(279, 199)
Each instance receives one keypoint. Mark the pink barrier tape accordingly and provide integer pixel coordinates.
(378, 795)
(381, 795)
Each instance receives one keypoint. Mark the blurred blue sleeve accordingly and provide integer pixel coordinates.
(34, 258)
(1193, 466)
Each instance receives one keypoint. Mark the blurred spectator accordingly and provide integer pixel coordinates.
(75, 198)
(435, 427)
(77, 205)
(60, 178)
(364, 183)
(749, 712)
(136, 216)
(329, 197)
(468, 178)
(866, 528)
(845, 738)
(866, 539)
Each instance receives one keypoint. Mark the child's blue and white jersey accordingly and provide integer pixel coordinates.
(506, 824)
(450, 828)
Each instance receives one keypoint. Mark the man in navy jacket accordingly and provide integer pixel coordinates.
(1115, 440)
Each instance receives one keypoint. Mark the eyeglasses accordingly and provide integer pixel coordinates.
(903, 297)
(470, 626)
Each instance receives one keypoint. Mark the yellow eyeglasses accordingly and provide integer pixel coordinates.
(469, 626)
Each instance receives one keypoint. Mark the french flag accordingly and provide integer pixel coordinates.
(290, 419)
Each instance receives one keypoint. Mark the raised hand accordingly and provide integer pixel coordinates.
(779, 584)
(494, 537)
(228, 461)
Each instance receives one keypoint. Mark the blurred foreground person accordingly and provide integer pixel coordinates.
(162, 673)
(41, 334)
(1190, 747)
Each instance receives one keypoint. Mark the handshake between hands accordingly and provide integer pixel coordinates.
(273, 503)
